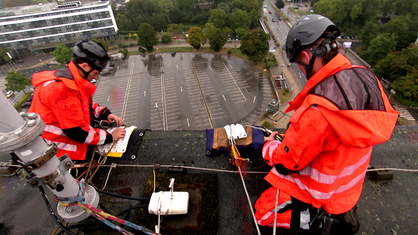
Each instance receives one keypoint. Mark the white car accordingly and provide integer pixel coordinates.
(9, 94)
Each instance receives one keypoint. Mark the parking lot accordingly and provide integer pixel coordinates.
(184, 91)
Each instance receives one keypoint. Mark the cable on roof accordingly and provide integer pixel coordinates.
(51, 212)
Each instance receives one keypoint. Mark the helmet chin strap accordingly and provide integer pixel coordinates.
(309, 67)
(86, 74)
(321, 50)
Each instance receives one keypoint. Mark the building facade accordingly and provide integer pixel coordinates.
(39, 28)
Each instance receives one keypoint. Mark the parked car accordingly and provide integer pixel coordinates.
(117, 56)
(9, 94)
(105, 72)
(93, 81)
(26, 104)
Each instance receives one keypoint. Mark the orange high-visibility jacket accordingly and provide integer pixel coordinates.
(329, 141)
(63, 100)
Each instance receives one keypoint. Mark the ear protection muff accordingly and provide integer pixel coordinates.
(321, 51)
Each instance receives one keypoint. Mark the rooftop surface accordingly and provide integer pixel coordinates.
(385, 207)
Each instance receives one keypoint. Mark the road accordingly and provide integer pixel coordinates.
(280, 30)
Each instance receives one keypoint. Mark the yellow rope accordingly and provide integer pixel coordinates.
(91, 162)
(101, 162)
(153, 171)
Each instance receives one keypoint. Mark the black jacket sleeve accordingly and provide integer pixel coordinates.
(80, 135)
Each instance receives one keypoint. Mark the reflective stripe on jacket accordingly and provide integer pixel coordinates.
(330, 147)
(64, 103)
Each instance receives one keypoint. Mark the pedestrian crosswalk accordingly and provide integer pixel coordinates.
(404, 113)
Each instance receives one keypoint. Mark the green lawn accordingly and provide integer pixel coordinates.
(22, 100)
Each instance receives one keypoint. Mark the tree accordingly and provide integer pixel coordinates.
(103, 43)
(166, 37)
(209, 29)
(332, 9)
(4, 58)
(124, 23)
(175, 15)
(124, 52)
(242, 32)
(255, 16)
(379, 48)
(279, 4)
(398, 63)
(369, 32)
(246, 5)
(16, 81)
(398, 26)
(63, 54)
(227, 32)
(239, 19)
(256, 46)
(218, 40)
(135, 8)
(112, 42)
(201, 18)
(224, 7)
(407, 86)
(185, 5)
(403, 7)
(196, 37)
(147, 36)
(158, 21)
(218, 17)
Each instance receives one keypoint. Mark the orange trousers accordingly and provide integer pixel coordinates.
(265, 207)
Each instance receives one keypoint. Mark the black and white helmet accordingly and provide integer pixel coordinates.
(306, 31)
(93, 52)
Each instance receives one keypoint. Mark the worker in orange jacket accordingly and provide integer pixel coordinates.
(318, 169)
(64, 100)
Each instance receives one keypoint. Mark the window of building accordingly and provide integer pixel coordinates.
(11, 36)
(87, 17)
(67, 37)
(25, 35)
(77, 18)
(26, 43)
(13, 27)
(46, 40)
(101, 15)
(38, 24)
(63, 20)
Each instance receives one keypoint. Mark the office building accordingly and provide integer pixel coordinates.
(39, 28)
